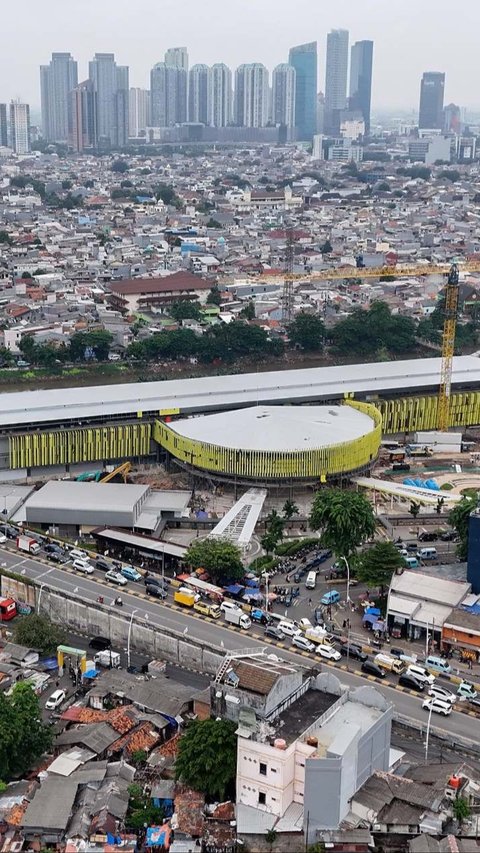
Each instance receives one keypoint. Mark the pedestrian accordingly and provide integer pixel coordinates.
(344, 623)
(470, 665)
(310, 602)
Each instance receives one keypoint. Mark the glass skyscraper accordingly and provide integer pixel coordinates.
(303, 58)
(361, 62)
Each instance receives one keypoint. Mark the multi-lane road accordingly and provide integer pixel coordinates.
(218, 634)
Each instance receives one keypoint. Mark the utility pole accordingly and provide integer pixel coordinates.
(287, 297)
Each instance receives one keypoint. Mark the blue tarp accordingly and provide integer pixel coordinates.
(92, 673)
(156, 836)
(234, 589)
(370, 618)
(374, 611)
(252, 582)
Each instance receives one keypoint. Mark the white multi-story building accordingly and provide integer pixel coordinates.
(20, 127)
(198, 93)
(138, 111)
(219, 95)
(251, 95)
(177, 57)
(283, 94)
(336, 79)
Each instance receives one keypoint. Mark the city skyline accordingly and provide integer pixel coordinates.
(246, 36)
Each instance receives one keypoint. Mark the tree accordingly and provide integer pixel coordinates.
(219, 557)
(271, 837)
(23, 735)
(27, 346)
(345, 518)
(141, 810)
(367, 332)
(327, 247)
(214, 297)
(274, 525)
(37, 632)
(5, 238)
(461, 809)
(307, 331)
(85, 345)
(185, 310)
(120, 166)
(289, 509)
(214, 223)
(459, 519)
(138, 756)
(207, 757)
(166, 193)
(414, 509)
(248, 311)
(377, 564)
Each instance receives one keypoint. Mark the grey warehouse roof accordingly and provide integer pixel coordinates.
(69, 494)
(278, 428)
(228, 392)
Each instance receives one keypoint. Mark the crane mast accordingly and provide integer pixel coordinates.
(448, 347)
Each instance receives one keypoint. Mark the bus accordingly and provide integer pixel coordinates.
(8, 609)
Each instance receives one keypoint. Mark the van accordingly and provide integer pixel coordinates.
(438, 665)
(311, 581)
(427, 553)
(331, 597)
(100, 643)
(411, 562)
(390, 664)
(289, 628)
(420, 674)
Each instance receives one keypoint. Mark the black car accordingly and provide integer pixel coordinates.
(102, 564)
(348, 649)
(371, 668)
(411, 682)
(448, 536)
(427, 536)
(274, 633)
(154, 580)
(10, 532)
(57, 557)
(156, 591)
(100, 643)
(51, 548)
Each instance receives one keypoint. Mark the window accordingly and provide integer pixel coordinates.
(263, 769)
(262, 798)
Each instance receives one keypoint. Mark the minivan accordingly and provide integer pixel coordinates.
(331, 597)
(427, 553)
(311, 581)
(421, 674)
(438, 665)
(288, 628)
(411, 562)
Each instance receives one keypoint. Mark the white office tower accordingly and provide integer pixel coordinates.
(336, 80)
(138, 109)
(20, 127)
(251, 95)
(283, 94)
(198, 94)
(219, 95)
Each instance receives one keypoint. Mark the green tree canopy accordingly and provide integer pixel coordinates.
(274, 525)
(37, 632)
(307, 331)
(459, 518)
(367, 332)
(185, 309)
(120, 166)
(219, 557)
(376, 565)
(207, 758)
(345, 519)
(289, 509)
(23, 735)
(214, 297)
(96, 343)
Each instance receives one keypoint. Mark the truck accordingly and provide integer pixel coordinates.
(389, 663)
(107, 658)
(237, 617)
(184, 596)
(26, 543)
(207, 609)
(318, 636)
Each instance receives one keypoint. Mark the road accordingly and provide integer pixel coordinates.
(229, 638)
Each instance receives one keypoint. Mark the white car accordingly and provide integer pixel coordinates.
(289, 628)
(115, 577)
(421, 674)
(83, 566)
(229, 605)
(77, 554)
(442, 693)
(55, 700)
(3, 538)
(302, 643)
(439, 706)
(326, 651)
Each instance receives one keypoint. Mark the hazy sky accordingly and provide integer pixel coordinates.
(411, 36)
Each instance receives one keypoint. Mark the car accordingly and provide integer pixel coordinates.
(11, 532)
(226, 605)
(289, 628)
(77, 554)
(371, 668)
(326, 651)
(421, 674)
(57, 557)
(100, 643)
(83, 566)
(427, 536)
(3, 538)
(130, 573)
(274, 633)
(448, 535)
(154, 580)
(55, 700)
(330, 597)
(442, 693)
(116, 577)
(51, 548)
(467, 690)
(102, 564)
(155, 591)
(439, 706)
(301, 642)
(352, 651)
(411, 546)
(411, 682)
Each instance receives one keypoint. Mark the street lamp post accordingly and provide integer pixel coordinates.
(129, 636)
(428, 731)
(40, 598)
(348, 578)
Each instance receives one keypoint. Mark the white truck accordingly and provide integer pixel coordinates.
(26, 543)
(108, 659)
(319, 636)
(237, 617)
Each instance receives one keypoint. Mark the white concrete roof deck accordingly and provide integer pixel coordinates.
(227, 392)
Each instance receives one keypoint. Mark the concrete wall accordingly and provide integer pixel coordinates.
(94, 618)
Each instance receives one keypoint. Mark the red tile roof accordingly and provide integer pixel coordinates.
(178, 281)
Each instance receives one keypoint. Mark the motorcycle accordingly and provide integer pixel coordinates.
(118, 601)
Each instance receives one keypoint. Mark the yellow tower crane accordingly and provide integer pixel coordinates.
(448, 348)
